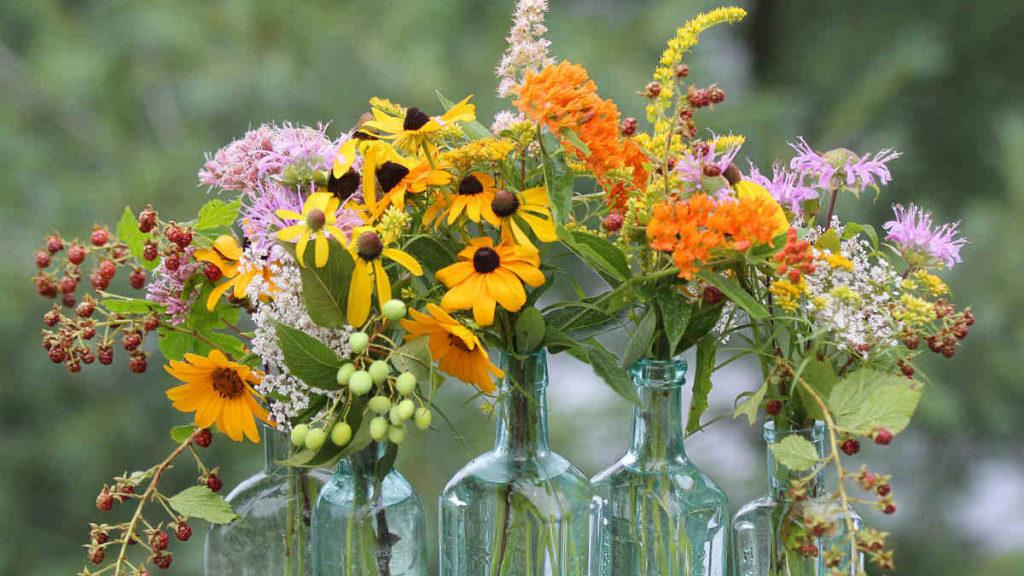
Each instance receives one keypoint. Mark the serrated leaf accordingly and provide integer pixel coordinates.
(820, 375)
(129, 233)
(641, 338)
(795, 452)
(751, 404)
(588, 315)
(853, 228)
(736, 293)
(675, 314)
(201, 502)
(701, 322)
(867, 399)
(181, 433)
(706, 348)
(558, 178)
(129, 305)
(607, 368)
(174, 345)
(325, 289)
(307, 358)
(218, 214)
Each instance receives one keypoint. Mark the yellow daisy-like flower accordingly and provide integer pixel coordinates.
(227, 256)
(414, 130)
(368, 250)
(473, 196)
(400, 176)
(455, 348)
(531, 207)
(316, 222)
(487, 275)
(747, 190)
(219, 392)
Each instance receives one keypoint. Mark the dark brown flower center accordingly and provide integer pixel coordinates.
(456, 342)
(389, 174)
(316, 219)
(486, 260)
(369, 246)
(414, 119)
(470, 185)
(227, 383)
(343, 188)
(505, 203)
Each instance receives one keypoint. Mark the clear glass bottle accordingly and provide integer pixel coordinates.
(658, 513)
(769, 534)
(271, 536)
(369, 526)
(519, 509)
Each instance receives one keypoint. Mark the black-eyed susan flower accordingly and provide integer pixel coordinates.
(368, 249)
(473, 197)
(227, 256)
(399, 176)
(415, 129)
(454, 347)
(530, 207)
(219, 392)
(487, 275)
(319, 214)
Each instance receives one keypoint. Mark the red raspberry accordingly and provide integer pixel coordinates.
(96, 555)
(106, 355)
(203, 438)
(851, 446)
(151, 322)
(163, 561)
(809, 550)
(883, 490)
(183, 531)
(108, 269)
(907, 370)
(97, 280)
(131, 340)
(773, 407)
(42, 258)
(137, 278)
(105, 501)
(99, 236)
(681, 71)
(101, 537)
(716, 94)
(86, 308)
(172, 233)
(159, 540)
(186, 238)
(52, 317)
(711, 170)
(147, 220)
(150, 251)
(889, 508)
(969, 317)
(172, 262)
(612, 222)
(58, 354)
(87, 356)
(67, 285)
(883, 436)
(212, 273)
(712, 295)
(45, 286)
(628, 126)
(137, 364)
(213, 482)
(698, 97)
(69, 300)
(76, 254)
(54, 244)
(74, 366)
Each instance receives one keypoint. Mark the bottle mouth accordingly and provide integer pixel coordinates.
(814, 433)
(659, 374)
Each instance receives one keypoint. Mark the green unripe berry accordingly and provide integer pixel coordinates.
(360, 382)
(315, 438)
(396, 434)
(345, 372)
(379, 428)
(379, 371)
(379, 404)
(299, 435)
(341, 434)
(406, 409)
(394, 416)
(423, 418)
(358, 342)
(393, 310)
(405, 383)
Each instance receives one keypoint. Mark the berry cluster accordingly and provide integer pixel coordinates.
(72, 339)
(60, 265)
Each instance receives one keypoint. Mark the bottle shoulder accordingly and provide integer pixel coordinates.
(682, 478)
(496, 467)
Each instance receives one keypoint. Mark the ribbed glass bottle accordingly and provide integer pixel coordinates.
(271, 536)
(520, 509)
(769, 534)
(365, 525)
(659, 514)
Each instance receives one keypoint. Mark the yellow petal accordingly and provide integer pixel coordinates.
(292, 232)
(300, 248)
(321, 250)
(380, 276)
(407, 261)
(359, 293)
(216, 293)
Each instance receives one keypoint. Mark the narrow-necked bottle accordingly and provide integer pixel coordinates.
(770, 536)
(368, 525)
(519, 509)
(659, 514)
(271, 536)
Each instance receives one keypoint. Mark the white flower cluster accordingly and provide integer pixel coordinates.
(287, 396)
(527, 48)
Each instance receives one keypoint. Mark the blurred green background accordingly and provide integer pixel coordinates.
(106, 104)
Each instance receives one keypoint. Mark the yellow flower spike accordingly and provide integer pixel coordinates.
(368, 249)
(531, 207)
(415, 129)
(316, 222)
(220, 392)
(455, 348)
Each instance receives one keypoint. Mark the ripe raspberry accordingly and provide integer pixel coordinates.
(681, 71)
(212, 273)
(213, 482)
(172, 262)
(99, 236)
(203, 438)
(74, 366)
(52, 317)
(183, 531)
(163, 561)
(96, 555)
(67, 285)
(106, 355)
(712, 295)
(76, 254)
(97, 281)
(42, 258)
(716, 94)
(45, 286)
(883, 490)
(851, 446)
(151, 322)
(889, 508)
(150, 251)
(131, 340)
(698, 97)
(54, 244)
(147, 220)
(137, 278)
(68, 300)
(137, 364)
(969, 317)
(612, 222)
(108, 269)
(883, 436)
(87, 356)
(159, 540)
(628, 126)
(104, 501)
(58, 354)
(711, 170)
(773, 407)
(907, 370)
(100, 537)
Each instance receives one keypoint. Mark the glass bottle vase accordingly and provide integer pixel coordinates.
(770, 534)
(271, 537)
(365, 525)
(519, 509)
(658, 513)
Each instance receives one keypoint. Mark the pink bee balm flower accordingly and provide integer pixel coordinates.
(786, 187)
(841, 166)
(919, 241)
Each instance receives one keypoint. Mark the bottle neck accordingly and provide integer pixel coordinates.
(277, 449)
(658, 419)
(363, 462)
(780, 478)
(522, 428)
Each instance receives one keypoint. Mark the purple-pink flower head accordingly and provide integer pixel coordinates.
(260, 221)
(919, 241)
(304, 147)
(703, 159)
(841, 167)
(234, 167)
(167, 287)
(267, 151)
(786, 187)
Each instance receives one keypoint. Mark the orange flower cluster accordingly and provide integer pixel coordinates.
(695, 228)
(563, 96)
(795, 258)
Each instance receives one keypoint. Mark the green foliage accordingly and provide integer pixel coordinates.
(641, 338)
(218, 215)
(868, 399)
(607, 368)
(706, 348)
(414, 356)
(325, 289)
(307, 358)
(751, 405)
(600, 254)
(529, 328)
(129, 233)
(675, 312)
(796, 453)
(181, 433)
(558, 178)
(732, 289)
(201, 502)
(820, 376)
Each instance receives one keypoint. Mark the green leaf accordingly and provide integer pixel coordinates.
(174, 345)
(796, 453)
(181, 433)
(750, 406)
(307, 358)
(414, 356)
(325, 289)
(431, 253)
(641, 338)
(588, 315)
(473, 129)
(129, 233)
(867, 399)
(218, 214)
(386, 461)
(820, 375)
(600, 254)
(574, 139)
(558, 178)
(201, 502)
(829, 241)
(129, 305)
(607, 368)
(706, 348)
(853, 228)
(529, 330)
(556, 340)
(736, 293)
(675, 314)
(701, 322)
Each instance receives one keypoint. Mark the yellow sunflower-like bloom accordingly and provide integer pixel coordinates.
(316, 222)
(455, 348)
(415, 129)
(400, 176)
(751, 192)
(473, 196)
(532, 207)
(219, 392)
(487, 275)
(368, 250)
(227, 256)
